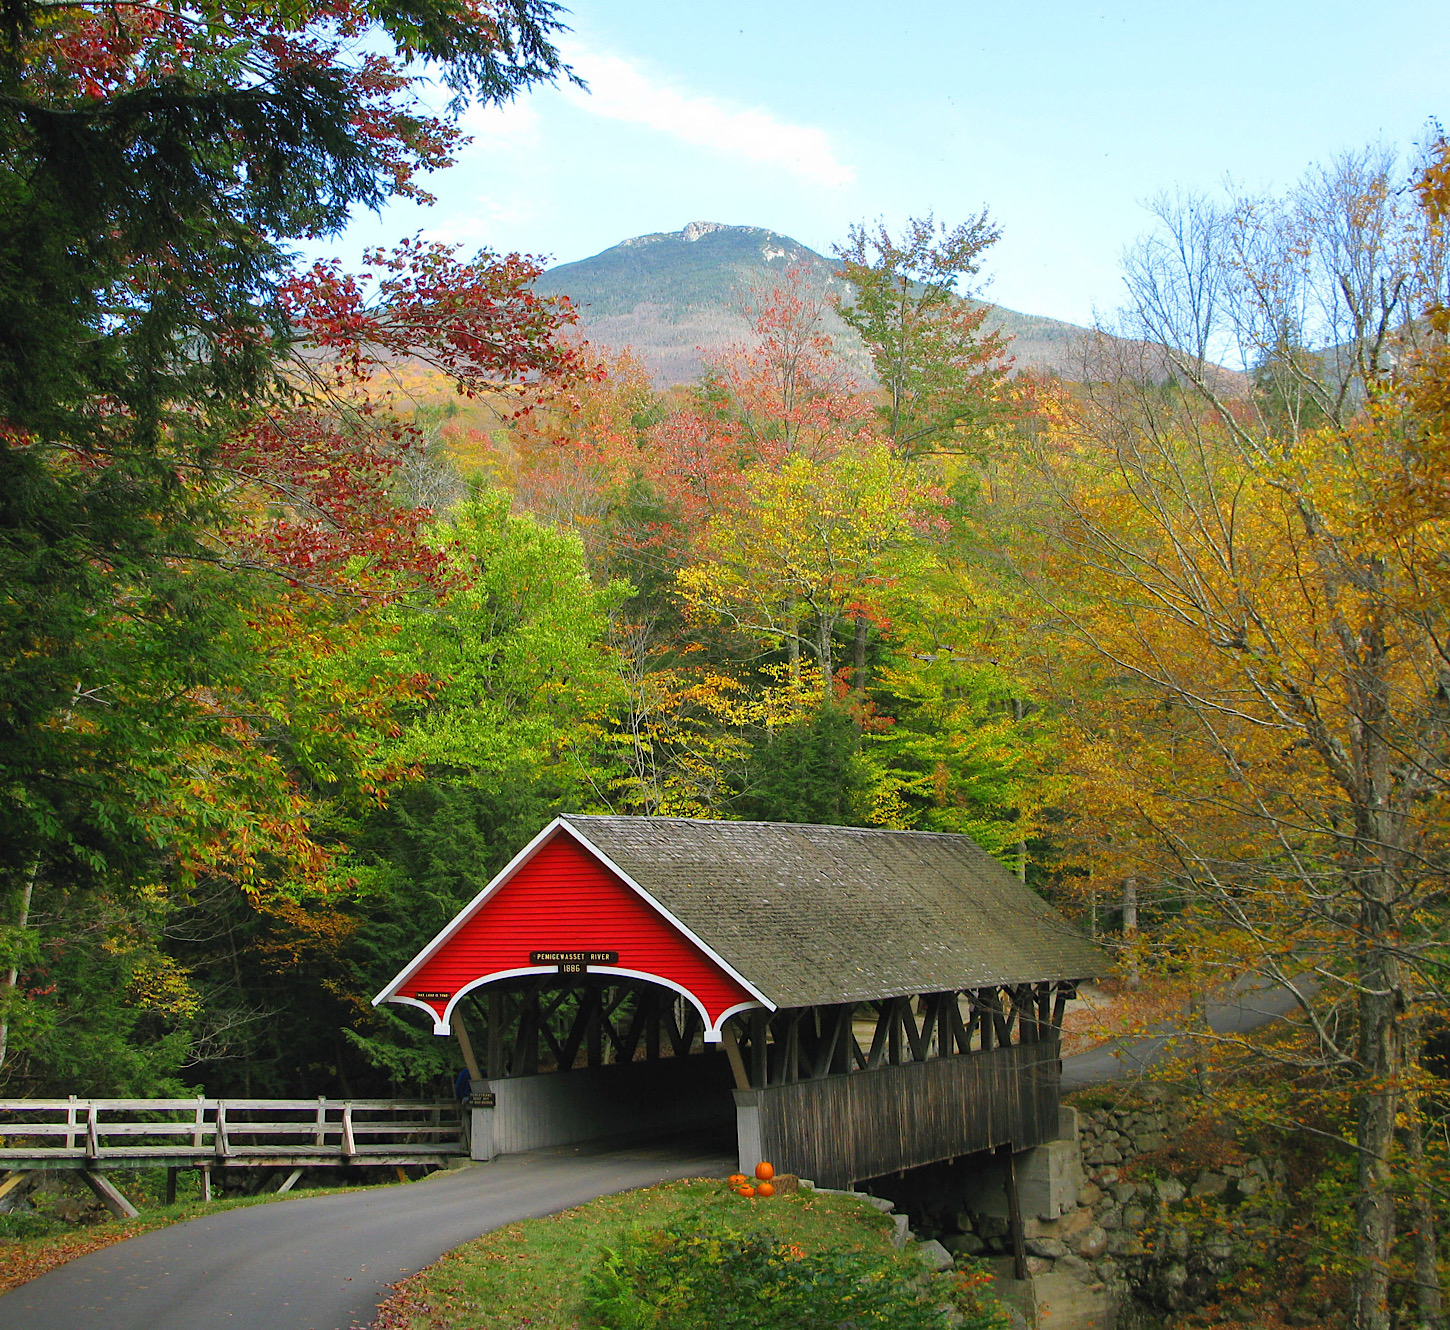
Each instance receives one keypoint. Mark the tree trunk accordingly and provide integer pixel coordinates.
(1130, 926)
(1428, 1295)
(824, 655)
(1380, 1068)
(793, 647)
(22, 922)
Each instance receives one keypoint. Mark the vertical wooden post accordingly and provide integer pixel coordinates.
(171, 1184)
(1065, 993)
(759, 1051)
(594, 1029)
(841, 1040)
(219, 1141)
(496, 1068)
(792, 1063)
(1014, 1212)
(533, 1017)
(652, 1026)
(206, 1182)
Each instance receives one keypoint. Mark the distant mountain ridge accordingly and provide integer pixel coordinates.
(673, 295)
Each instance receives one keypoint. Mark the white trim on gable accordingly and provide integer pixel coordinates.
(462, 917)
(389, 993)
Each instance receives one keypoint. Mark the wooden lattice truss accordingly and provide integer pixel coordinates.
(541, 1024)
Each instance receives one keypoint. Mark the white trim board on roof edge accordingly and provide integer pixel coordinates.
(389, 993)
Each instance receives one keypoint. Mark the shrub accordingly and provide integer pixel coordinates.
(688, 1277)
(21, 1224)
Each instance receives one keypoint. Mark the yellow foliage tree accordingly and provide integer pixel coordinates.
(1250, 623)
(809, 547)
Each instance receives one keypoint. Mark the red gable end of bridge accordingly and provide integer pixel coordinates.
(563, 898)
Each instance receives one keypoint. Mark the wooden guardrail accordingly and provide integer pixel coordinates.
(260, 1133)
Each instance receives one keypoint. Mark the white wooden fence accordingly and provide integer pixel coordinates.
(258, 1133)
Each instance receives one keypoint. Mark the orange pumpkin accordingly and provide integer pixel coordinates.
(765, 1189)
(747, 1192)
(765, 1171)
(735, 1181)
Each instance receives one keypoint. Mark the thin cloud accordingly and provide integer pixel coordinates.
(620, 90)
(513, 127)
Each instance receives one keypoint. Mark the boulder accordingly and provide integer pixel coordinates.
(1170, 1190)
(1210, 1184)
(937, 1257)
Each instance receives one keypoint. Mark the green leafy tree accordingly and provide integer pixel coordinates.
(511, 729)
(939, 369)
(810, 771)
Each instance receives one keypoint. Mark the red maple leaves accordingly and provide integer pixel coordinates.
(317, 471)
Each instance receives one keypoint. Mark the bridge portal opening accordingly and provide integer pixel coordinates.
(563, 1059)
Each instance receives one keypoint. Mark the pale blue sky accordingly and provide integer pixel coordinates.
(1061, 117)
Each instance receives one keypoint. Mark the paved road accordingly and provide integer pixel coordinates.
(324, 1262)
(1238, 1014)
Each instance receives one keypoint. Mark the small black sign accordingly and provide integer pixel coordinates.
(432, 997)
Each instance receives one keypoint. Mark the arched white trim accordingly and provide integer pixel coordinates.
(422, 1006)
(462, 917)
(731, 1011)
(444, 1024)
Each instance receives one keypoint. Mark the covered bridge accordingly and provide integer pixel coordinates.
(852, 1001)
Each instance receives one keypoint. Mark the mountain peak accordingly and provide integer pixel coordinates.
(695, 230)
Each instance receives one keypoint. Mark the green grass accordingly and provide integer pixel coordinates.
(531, 1274)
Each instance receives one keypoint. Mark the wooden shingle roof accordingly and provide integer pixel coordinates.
(815, 914)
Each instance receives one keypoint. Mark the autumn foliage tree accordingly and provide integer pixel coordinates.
(165, 471)
(1251, 629)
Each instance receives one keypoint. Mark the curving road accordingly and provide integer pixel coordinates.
(325, 1262)
(1238, 1013)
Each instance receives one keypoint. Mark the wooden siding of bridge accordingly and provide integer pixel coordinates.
(841, 1129)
